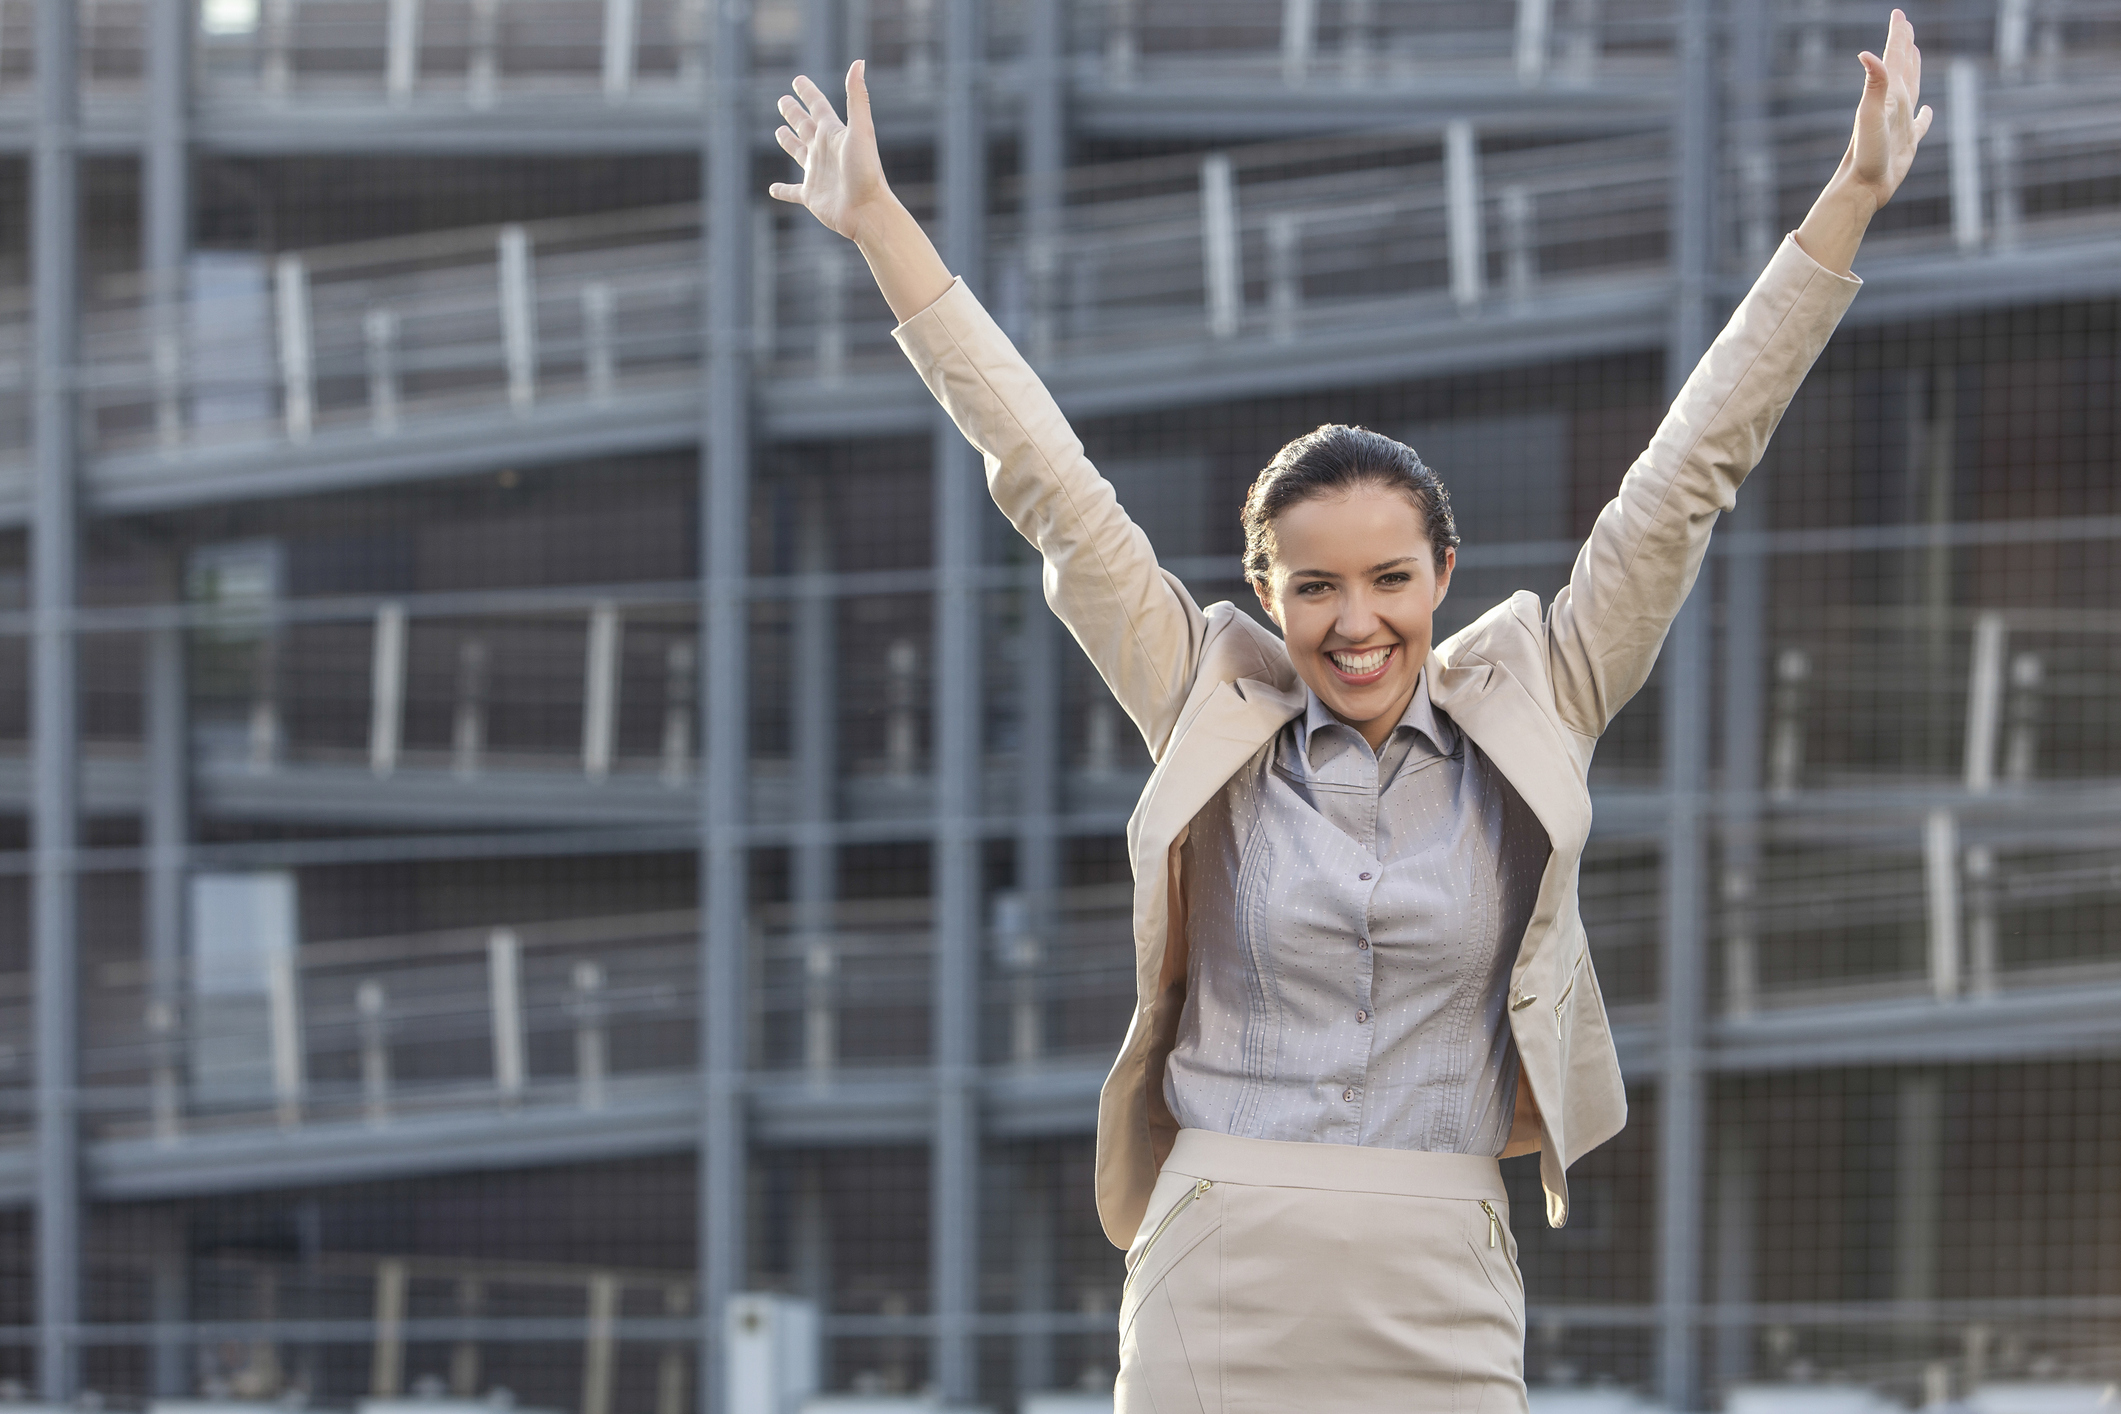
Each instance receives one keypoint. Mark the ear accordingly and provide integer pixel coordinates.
(1266, 601)
(1443, 578)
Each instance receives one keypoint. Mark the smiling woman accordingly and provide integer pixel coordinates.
(1361, 970)
(1349, 544)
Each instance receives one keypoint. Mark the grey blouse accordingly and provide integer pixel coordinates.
(1353, 921)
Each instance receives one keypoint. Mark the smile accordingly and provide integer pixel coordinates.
(1365, 665)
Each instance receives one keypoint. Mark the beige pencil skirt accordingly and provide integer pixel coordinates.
(1272, 1277)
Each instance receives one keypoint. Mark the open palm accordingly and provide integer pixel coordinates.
(1890, 122)
(843, 178)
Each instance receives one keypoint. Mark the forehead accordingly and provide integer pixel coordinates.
(1349, 531)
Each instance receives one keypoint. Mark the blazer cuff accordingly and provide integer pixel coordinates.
(1793, 255)
(952, 318)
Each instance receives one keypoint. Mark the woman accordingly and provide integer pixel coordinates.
(1361, 973)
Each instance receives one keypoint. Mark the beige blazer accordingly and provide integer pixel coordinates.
(1534, 687)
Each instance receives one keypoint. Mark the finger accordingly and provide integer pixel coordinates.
(815, 100)
(1922, 122)
(798, 118)
(1899, 34)
(1875, 77)
(858, 115)
(792, 145)
(786, 191)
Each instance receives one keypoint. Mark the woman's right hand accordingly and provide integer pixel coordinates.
(843, 177)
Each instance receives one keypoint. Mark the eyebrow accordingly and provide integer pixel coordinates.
(1378, 568)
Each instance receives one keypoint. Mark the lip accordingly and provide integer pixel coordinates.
(1365, 679)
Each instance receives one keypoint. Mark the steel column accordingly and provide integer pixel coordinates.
(725, 494)
(816, 754)
(55, 810)
(958, 752)
(1681, 1101)
(1043, 159)
(168, 837)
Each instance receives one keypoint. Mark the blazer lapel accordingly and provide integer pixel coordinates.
(1501, 716)
(1234, 723)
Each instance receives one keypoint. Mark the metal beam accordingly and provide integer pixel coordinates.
(958, 752)
(1681, 1131)
(54, 725)
(725, 500)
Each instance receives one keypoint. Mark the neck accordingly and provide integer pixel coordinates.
(1378, 729)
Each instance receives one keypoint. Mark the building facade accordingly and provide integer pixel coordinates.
(541, 795)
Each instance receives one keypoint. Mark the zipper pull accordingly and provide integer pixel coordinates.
(1494, 1223)
(1200, 1189)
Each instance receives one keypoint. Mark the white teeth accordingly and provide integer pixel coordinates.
(1357, 664)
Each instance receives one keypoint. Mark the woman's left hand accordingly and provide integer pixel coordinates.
(1890, 121)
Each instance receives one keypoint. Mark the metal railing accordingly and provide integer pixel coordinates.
(1154, 263)
(476, 54)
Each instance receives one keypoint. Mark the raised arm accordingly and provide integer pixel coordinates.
(1634, 572)
(1138, 624)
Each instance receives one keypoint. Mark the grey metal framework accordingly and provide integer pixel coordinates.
(1138, 284)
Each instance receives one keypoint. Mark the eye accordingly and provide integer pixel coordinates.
(1395, 578)
(1310, 585)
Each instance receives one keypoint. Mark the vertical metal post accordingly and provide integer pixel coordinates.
(519, 317)
(960, 496)
(1534, 18)
(1461, 176)
(1735, 1204)
(1038, 842)
(1744, 672)
(600, 366)
(1299, 35)
(600, 1348)
(1686, 667)
(816, 765)
(1036, 1270)
(1043, 156)
(371, 1004)
(379, 335)
(1284, 274)
(386, 687)
(680, 709)
(725, 498)
(1220, 255)
(482, 72)
(467, 734)
(592, 1051)
(621, 17)
(401, 60)
(386, 1364)
(504, 983)
(1744, 713)
(297, 376)
(165, 227)
(168, 832)
(55, 815)
(600, 690)
(1940, 875)
(1963, 93)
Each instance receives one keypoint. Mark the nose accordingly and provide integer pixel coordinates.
(1357, 620)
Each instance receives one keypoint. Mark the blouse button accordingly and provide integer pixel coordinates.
(1363, 944)
(1365, 876)
(1362, 1016)
(1348, 1094)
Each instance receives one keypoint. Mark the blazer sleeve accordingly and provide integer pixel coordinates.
(1634, 572)
(1136, 621)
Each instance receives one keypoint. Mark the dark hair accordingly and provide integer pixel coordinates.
(1334, 460)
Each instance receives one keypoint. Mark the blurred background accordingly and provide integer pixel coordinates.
(553, 855)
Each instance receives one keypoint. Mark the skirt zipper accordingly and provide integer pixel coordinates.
(1192, 1195)
(1494, 1223)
